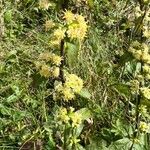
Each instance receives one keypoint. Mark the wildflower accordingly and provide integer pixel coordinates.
(55, 42)
(44, 4)
(49, 24)
(37, 65)
(77, 31)
(74, 82)
(78, 28)
(69, 17)
(55, 71)
(74, 141)
(144, 127)
(146, 92)
(80, 19)
(67, 94)
(63, 116)
(45, 71)
(147, 76)
(146, 32)
(143, 109)
(134, 85)
(146, 68)
(59, 34)
(56, 59)
(45, 56)
(76, 119)
(137, 141)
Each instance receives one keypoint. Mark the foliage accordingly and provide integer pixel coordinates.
(74, 74)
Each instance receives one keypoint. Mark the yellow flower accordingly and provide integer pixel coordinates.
(74, 82)
(45, 71)
(80, 19)
(134, 85)
(44, 4)
(69, 17)
(146, 68)
(138, 54)
(146, 58)
(144, 127)
(59, 33)
(67, 94)
(74, 141)
(37, 65)
(78, 28)
(76, 119)
(147, 76)
(55, 71)
(45, 56)
(56, 59)
(143, 109)
(77, 31)
(146, 32)
(63, 116)
(49, 24)
(146, 92)
(55, 42)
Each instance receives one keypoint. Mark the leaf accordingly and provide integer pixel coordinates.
(85, 113)
(122, 144)
(12, 98)
(90, 3)
(80, 147)
(125, 58)
(79, 130)
(72, 54)
(85, 93)
(8, 16)
(122, 89)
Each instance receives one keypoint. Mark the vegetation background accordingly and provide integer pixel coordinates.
(112, 60)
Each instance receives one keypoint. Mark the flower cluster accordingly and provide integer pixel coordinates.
(44, 4)
(144, 127)
(73, 85)
(145, 92)
(134, 86)
(75, 28)
(48, 64)
(74, 119)
(49, 24)
(141, 53)
(146, 20)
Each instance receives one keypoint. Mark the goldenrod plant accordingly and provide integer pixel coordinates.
(74, 74)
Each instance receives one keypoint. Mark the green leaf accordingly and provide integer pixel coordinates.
(8, 16)
(79, 130)
(122, 89)
(125, 58)
(72, 54)
(85, 113)
(122, 144)
(90, 3)
(80, 147)
(85, 93)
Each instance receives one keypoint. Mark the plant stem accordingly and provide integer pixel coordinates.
(62, 54)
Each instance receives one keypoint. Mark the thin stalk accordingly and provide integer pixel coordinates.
(62, 54)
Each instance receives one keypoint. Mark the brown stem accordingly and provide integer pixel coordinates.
(62, 54)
